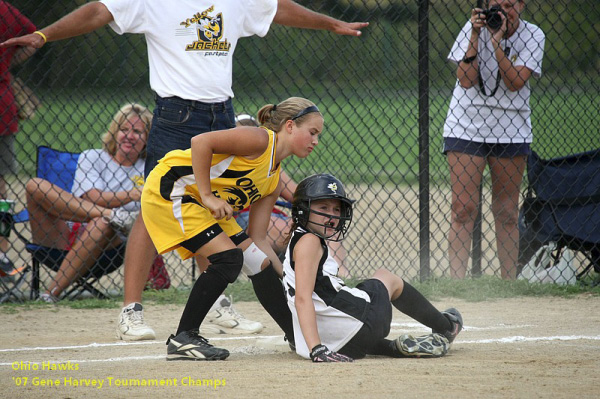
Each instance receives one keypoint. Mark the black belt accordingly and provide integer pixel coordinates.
(195, 103)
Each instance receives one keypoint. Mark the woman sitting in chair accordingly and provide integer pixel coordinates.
(90, 225)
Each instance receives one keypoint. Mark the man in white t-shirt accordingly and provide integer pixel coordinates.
(489, 123)
(190, 52)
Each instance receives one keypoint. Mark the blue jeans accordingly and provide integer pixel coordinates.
(177, 120)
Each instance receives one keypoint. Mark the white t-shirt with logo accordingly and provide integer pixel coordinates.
(96, 169)
(504, 117)
(191, 42)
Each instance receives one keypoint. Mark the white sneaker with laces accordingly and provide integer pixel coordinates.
(227, 319)
(131, 325)
(48, 298)
(208, 328)
(122, 220)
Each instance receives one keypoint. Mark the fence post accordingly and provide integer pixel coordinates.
(477, 228)
(477, 238)
(424, 250)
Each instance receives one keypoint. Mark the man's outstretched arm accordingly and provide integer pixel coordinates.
(292, 14)
(84, 19)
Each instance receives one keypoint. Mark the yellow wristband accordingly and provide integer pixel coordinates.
(37, 32)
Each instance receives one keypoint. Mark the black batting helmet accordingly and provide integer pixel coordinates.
(322, 186)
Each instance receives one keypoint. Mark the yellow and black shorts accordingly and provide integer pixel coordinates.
(181, 223)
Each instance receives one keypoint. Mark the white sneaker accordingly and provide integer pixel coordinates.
(208, 328)
(122, 220)
(48, 298)
(227, 319)
(131, 325)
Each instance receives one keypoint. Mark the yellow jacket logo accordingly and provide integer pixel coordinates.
(209, 30)
(138, 181)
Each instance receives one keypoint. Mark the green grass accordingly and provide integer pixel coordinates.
(490, 288)
(475, 290)
(367, 138)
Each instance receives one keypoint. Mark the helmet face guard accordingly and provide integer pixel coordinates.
(318, 187)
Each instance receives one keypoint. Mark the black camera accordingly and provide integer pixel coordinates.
(493, 18)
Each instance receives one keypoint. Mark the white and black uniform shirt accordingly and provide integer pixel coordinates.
(340, 310)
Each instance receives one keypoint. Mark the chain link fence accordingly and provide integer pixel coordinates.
(386, 99)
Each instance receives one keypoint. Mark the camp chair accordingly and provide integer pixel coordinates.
(58, 167)
(562, 205)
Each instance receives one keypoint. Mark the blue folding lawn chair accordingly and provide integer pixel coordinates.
(58, 167)
(562, 205)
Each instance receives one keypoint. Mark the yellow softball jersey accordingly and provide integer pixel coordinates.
(171, 205)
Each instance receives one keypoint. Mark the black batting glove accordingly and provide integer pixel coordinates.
(322, 354)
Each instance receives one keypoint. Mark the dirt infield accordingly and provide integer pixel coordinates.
(513, 348)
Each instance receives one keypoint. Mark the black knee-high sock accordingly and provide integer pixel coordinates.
(271, 296)
(412, 303)
(206, 290)
(225, 267)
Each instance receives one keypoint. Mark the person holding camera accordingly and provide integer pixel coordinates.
(489, 123)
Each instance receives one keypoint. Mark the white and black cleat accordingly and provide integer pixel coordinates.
(189, 345)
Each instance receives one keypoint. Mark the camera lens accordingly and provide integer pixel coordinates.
(494, 20)
(493, 17)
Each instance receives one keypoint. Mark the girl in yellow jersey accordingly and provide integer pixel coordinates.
(189, 199)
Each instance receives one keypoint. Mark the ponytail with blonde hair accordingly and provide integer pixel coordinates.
(274, 116)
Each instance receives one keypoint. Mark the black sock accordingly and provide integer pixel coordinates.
(412, 303)
(206, 290)
(271, 296)
(224, 268)
(385, 347)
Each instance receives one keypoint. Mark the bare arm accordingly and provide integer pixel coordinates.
(288, 186)
(467, 72)
(337, 250)
(245, 141)
(307, 254)
(514, 77)
(258, 223)
(21, 55)
(292, 14)
(113, 199)
(85, 19)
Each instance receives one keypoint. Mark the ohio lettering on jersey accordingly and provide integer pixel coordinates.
(238, 180)
(209, 29)
(245, 191)
(242, 192)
